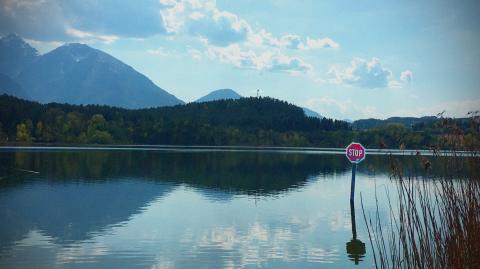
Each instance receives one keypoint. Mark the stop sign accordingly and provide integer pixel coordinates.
(355, 152)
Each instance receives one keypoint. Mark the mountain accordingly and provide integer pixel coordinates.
(15, 54)
(79, 74)
(225, 94)
(406, 121)
(222, 94)
(76, 74)
(245, 121)
(311, 113)
(11, 87)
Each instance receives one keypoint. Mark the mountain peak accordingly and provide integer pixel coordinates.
(220, 94)
(79, 74)
(12, 38)
(15, 54)
(14, 41)
(76, 46)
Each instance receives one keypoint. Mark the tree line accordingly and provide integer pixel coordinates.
(250, 121)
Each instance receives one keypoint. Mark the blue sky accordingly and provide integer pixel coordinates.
(343, 59)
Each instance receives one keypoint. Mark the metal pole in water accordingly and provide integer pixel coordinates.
(352, 188)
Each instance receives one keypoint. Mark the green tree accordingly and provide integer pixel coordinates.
(3, 136)
(23, 133)
(96, 132)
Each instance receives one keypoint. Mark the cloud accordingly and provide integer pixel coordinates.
(362, 73)
(219, 29)
(38, 20)
(453, 108)
(321, 43)
(223, 34)
(195, 54)
(108, 39)
(406, 76)
(293, 65)
(158, 52)
(369, 74)
(341, 109)
(55, 20)
(273, 61)
(110, 17)
(291, 41)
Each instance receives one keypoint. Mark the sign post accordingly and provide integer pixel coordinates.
(355, 153)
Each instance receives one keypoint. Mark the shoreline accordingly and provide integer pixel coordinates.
(203, 148)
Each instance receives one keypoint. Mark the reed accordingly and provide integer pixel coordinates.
(435, 223)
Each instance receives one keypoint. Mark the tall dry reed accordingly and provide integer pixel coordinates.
(434, 221)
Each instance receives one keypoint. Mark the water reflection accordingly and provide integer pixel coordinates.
(245, 173)
(355, 247)
(127, 209)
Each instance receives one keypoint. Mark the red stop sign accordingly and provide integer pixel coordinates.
(355, 152)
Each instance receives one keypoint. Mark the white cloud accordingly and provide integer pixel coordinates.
(291, 41)
(220, 28)
(367, 74)
(406, 76)
(267, 60)
(158, 51)
(321, 43)
(89, 36)
(454, 108)
(292, 65)
(231, 38)
(44, 46)
(341, 109)
(195, 54)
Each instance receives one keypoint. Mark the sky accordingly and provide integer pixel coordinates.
(343, 59)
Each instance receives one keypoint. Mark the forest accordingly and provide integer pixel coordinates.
(249, 121)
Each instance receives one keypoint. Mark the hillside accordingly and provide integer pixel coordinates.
(225, 94)
(11, 87)
(246, 121)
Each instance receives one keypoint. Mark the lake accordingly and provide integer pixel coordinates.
(187, 208)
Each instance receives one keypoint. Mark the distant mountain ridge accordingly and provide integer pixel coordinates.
(311, 113)
(78, 74)
(221, 94)
(364, 124)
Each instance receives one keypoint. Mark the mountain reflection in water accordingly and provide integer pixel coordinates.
(181, 209)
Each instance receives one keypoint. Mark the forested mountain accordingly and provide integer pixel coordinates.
(222, 94)
(245, 121)
(78, 74)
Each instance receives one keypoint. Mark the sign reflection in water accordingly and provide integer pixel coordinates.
(355, 247)
(148, 209)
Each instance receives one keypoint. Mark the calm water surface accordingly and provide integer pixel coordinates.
(188, 209)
